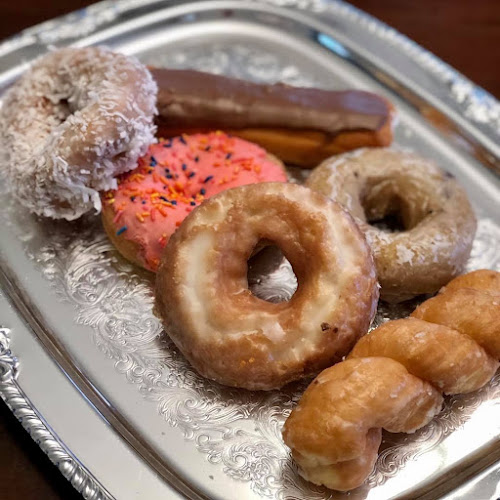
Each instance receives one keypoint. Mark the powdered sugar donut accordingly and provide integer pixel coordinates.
(438, 222)
(172, 179)
(75, 119)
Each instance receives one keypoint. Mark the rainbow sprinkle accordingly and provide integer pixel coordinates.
(165, 180)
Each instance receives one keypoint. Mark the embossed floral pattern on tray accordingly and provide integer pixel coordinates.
(115, 299)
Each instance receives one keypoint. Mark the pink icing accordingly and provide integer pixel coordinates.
(174, 177)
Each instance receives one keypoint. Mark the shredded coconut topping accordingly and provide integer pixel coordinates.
(74, 121)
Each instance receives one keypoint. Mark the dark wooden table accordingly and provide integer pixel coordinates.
(465, 34)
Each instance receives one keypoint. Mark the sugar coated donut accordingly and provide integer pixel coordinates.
(439, 224)
(173, 178)
(230, 335)
(73, 121)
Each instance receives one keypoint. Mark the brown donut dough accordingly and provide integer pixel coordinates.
(438, 219)
(482, 279)
(304, 148)
(230, 335)
(391, 380)
(129, 249)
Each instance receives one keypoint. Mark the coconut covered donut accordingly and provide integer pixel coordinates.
(230, 335)
(437, 219)
(173, 178)
(75, 120)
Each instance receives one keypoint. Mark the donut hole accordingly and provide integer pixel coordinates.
(62, 110)
(388, 210)
(390, 223)
(269, 273)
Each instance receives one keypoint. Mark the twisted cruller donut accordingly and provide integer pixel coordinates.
(75, 120)
(393, 379)
(439, 224)
(230, 335)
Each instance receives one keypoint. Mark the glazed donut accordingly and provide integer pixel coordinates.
(335, 431)
(477, 319)
(74, 120)
(230, 335)
(439, 224)
(301, 126)
(482, 279)
(173, 178)
(392, 379)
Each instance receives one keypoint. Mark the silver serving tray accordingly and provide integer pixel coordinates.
(83, 363)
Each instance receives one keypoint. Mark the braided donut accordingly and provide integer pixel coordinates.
(439, 224)
(393, 379)
(73, 121)
(230, 335)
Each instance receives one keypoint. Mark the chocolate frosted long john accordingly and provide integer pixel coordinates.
(301, 126)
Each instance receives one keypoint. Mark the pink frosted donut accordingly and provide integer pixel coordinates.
(73, 121)
(172, 179)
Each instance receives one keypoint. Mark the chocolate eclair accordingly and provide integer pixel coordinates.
(301, 126)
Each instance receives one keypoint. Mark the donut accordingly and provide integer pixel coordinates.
(393, 379)
(76, 119)
(235, 338)
(469, 304)
(423, 348)
(301, 126)
(438, 223)
(173, 178)
(481, 279)
(336, 429)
